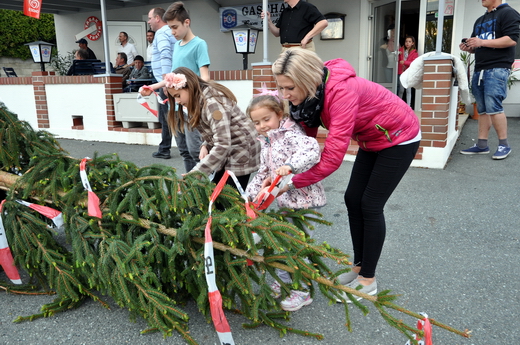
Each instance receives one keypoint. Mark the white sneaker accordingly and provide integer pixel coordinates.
(296, 300)
(277, 290)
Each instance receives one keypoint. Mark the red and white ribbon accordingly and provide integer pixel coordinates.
(265, 198)
(215, 299)
(141, 100)
(54, 215)
(425, 326)
(93, 200)
(6, 257)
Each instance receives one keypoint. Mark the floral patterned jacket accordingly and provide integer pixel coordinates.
(289, 145)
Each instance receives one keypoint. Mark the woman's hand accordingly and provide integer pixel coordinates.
(203, 152)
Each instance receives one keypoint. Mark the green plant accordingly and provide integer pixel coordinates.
(512, 77)
(61, 63)
(18, 29)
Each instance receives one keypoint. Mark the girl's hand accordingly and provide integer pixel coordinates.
(284, 170)
(145, 91)
(203, 152)
(260, 193)
(267, 182)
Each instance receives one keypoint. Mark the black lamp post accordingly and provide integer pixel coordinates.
(41, 52)
(245, 42)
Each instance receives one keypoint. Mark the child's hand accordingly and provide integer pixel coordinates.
(266, 183)
(203, 152)
(284, 170)
(145, 90)
(260, 193)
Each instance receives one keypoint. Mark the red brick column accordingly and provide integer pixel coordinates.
(263, 74)
(436, 102)
(40, 97)
(112, 85)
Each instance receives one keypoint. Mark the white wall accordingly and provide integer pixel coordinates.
(67, 100)
(19, 99)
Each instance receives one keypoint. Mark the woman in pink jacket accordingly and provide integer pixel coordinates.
(407, 54)
(386, 129)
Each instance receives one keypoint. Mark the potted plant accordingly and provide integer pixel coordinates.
(468, 61)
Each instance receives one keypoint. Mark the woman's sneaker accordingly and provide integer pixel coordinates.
(296, 300)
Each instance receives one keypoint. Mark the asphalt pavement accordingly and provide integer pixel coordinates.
(452, 251)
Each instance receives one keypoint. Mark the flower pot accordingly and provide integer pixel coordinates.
(475, 112)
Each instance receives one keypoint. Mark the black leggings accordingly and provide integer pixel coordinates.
(373, 179)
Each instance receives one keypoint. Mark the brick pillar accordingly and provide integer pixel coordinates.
(112, 85)
(40, 97)
(436, 101)
(263, 74)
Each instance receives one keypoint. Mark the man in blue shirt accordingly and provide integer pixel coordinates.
(163, 44)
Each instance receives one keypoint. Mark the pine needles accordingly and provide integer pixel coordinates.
(147, 250)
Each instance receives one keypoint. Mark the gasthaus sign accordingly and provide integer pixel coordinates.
(248, 15)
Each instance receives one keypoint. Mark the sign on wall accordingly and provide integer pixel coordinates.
(248, 15)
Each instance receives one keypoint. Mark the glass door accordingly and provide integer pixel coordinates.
(385, 43)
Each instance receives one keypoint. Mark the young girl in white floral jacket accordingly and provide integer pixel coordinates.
(285, 149)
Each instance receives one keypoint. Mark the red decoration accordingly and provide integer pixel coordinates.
(31, 8)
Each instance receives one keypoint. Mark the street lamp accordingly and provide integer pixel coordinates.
(245, 42)
(41, 52)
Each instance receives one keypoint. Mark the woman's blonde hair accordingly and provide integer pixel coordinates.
(195, 86)
(270, 102)
(303, 67)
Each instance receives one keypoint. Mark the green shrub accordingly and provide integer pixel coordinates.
(18, 29)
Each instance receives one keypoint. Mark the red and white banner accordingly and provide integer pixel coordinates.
(425, 326)
(141, 100)
(6, 257)
(31, 8)
(93, 200)
(54, 215)
(267, 196)
(215, 299)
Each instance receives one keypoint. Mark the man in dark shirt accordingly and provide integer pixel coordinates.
(297, 25)
(83, 44)
(493, 41)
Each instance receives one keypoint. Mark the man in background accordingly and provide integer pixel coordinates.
(139, 72)
(83, 44)
(150, 34)
(299, 22)
(162, 53)
(127, 48)
(493, 42)
(122, 67)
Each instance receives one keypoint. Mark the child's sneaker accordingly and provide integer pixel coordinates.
(277, 290)
(296, 300)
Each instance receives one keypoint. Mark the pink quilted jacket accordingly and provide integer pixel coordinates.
(357, 108)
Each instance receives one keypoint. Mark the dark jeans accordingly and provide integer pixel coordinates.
(166, 136)
(373, 179)
(189, 144)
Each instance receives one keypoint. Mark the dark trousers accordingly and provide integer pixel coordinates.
(189, 144)
(166, 136)
(374, 177)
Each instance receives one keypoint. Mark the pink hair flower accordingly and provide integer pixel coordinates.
(175, 81)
